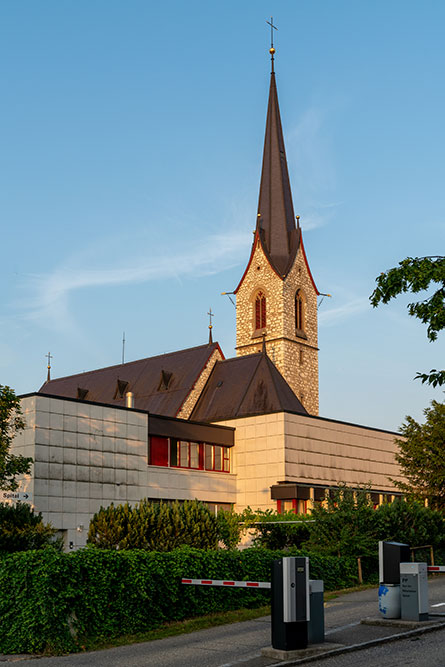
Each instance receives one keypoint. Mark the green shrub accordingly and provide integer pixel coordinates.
(55, 601)
(22, 529)
(411, 522)
(154, 526)
(346, 525)
(229, 528)
(272, 530)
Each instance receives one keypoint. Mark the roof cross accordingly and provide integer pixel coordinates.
(271, 50)
(210, 314)
(49, 356)
(272, 28)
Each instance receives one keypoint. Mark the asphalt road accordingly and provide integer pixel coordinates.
(240, 644)
(425, 651)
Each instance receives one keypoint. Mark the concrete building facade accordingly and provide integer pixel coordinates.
(191, 424)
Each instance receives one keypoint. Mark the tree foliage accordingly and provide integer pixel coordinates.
(154, 526)
(421, 456)
(271, 530)
(345, 525)
(11, 423)
(229, 528)
(22, 529)
(411, 522)
(418, 274)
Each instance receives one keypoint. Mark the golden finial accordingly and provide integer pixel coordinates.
(210, 314)
(49, 356)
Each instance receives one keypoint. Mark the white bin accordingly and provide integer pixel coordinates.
(389, 600)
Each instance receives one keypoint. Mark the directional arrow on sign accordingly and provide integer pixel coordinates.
(12, 496)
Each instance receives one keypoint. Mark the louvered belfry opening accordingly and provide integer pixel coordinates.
(260, 311)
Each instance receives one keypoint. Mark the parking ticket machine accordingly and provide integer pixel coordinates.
(290, 603)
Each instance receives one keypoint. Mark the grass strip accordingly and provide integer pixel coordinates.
(179, 628)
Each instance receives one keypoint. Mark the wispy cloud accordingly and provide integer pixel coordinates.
(311, 161)
(197, 257)
(339, 314)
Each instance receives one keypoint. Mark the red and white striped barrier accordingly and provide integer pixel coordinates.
(436, 568)
(221, 582)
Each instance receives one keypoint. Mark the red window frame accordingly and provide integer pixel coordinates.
(184, 455)
(281, 506)
(173, 453)
(159, 451)
(225, 458)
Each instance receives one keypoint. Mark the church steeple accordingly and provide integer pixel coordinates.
(276, 299)
(276, 228)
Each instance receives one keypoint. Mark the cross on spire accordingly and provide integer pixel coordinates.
(49, 356)
(210, 314)
(271, 50)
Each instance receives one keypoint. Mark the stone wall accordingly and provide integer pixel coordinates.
(295, 355)
(190, 401)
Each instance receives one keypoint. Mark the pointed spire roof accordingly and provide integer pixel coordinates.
(276, 227)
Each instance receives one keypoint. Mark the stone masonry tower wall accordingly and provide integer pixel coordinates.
(294, 352)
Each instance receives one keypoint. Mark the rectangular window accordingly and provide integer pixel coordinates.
(217, 458)
(184, 454)
(209, 457)
(194, 455)
(226, 459)
(289, 505)
(174, 454)
(158, 451)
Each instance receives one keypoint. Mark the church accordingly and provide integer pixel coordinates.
(236, 432)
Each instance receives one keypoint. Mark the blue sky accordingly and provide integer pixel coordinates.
(131, 141)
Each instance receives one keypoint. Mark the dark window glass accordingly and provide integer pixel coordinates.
(299, 311)
(260, 311)
(173, 452)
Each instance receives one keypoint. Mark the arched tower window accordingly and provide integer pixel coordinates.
(300, 302)
(260, 311)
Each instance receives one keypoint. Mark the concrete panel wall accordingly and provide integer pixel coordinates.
(328, 453)
(87, 456)
(258, 458)
(319, 452)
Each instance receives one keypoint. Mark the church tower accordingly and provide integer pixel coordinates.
(276, 299)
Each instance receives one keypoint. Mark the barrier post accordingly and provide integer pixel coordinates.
(290, 603)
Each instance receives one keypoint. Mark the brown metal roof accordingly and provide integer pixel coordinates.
(244, 386)
(276, 222)
(159, 384)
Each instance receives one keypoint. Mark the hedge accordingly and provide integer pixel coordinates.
(54, 602)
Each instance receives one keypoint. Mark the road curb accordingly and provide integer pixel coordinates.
(360, 647)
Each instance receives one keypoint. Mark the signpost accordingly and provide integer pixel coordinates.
(14, 496)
